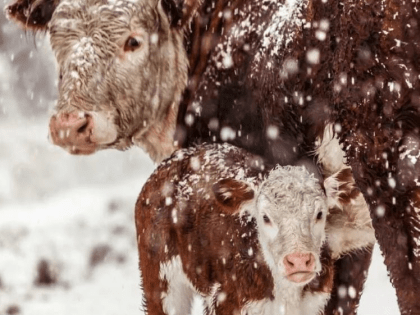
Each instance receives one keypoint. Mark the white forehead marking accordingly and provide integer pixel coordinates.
(293, 189)
(84, 56)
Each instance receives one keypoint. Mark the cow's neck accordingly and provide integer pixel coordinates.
(158, 139)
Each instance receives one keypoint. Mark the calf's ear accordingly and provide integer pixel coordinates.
(33, 15)
(340, 188)
(180, 12)
(231, 193)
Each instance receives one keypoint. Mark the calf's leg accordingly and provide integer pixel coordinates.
(167, 290)
(153, 287)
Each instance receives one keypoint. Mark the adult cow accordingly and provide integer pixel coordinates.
(268, 76)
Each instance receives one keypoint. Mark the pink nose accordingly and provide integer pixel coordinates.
(299, 262)
(73, 132)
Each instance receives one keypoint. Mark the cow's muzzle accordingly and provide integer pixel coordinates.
(81, 132)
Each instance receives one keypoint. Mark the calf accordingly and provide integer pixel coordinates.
(209, 221)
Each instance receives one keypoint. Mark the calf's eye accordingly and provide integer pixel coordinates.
(266, 218)
(319, 215)
(131, 44)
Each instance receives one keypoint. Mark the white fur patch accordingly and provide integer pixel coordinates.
(288, 301)
(104, 130)
(314, 303)
(179, 297)
(345, 236)
(329, 152)
(351, 229)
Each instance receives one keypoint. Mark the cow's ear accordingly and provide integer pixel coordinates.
(231, 193)
(32, 14)
(180, 12)
(340, 188)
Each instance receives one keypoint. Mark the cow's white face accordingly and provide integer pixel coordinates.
(291, 212)
(122, 71)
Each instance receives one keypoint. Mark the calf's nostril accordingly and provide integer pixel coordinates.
(310, 261)
(299, 262)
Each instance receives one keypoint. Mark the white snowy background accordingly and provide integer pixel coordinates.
(76, 213)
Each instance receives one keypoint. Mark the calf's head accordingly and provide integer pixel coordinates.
(122, 69)
(290, 208)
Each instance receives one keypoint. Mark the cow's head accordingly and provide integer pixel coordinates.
(122, 69)
(290, 208)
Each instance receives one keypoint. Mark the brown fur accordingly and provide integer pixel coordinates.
(32, 14)
(231, 194)
(152, 213)
(325, 280)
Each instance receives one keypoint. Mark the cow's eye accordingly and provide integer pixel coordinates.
(319, 215)
(266, 219)
(131, 44)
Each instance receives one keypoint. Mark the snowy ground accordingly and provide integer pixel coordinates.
(76, 213)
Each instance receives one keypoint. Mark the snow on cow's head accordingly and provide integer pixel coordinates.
(122, 68)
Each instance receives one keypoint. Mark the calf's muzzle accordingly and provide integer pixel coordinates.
(299, 267)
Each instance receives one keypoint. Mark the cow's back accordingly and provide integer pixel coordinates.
(251, 82)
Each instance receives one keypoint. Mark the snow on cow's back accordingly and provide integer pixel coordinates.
(274, 23)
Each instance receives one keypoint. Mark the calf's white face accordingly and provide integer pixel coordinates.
(291, 211)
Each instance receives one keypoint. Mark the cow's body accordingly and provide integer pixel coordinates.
(269, 76)
(199, 233)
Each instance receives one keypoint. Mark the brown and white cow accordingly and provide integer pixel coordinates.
(212, 221)
(268, 76)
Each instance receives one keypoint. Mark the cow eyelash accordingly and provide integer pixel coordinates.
(131, 44)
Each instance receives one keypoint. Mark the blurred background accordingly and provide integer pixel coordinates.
(67, 235)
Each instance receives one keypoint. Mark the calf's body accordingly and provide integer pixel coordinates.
(210, 221)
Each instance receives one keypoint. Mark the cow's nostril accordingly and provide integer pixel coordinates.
(71, 129)
(83, 128)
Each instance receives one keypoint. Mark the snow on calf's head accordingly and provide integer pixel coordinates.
(291, 210)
